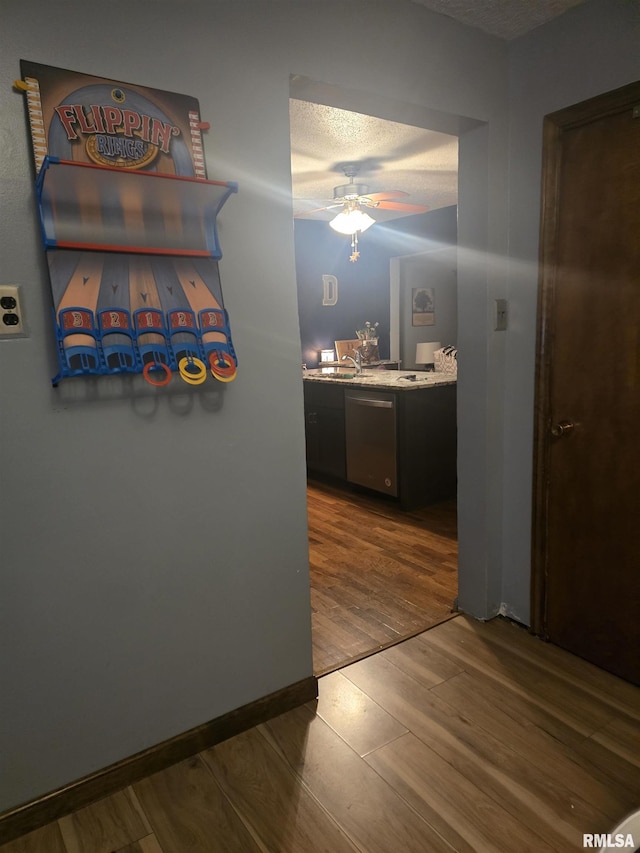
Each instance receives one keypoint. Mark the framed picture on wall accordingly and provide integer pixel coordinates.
(423, 306)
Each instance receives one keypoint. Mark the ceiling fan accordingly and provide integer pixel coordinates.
(353, 198)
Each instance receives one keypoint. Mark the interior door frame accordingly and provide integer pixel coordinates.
(555, 125)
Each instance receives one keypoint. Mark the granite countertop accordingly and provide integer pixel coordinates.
(389, 380)
(371, 365)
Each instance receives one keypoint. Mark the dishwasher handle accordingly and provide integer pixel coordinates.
(366, 401)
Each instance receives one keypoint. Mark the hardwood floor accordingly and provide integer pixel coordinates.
(378, 575)
(471, 737)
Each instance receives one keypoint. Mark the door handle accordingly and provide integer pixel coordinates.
(562, 429)
(364, 401)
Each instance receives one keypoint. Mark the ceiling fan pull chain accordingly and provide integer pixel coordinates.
(355, 254)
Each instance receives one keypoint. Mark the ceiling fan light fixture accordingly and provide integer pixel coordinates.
(351, 221)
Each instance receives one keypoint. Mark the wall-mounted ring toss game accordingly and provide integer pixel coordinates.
(129, 228)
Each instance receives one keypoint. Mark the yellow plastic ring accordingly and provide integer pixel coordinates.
(189, 376)
(191, 381)
(225, 378)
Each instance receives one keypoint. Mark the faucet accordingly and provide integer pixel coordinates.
(357, 363)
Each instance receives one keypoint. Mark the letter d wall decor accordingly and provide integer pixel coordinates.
(329, 290)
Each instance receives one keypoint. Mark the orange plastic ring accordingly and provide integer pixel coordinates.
(156, 365)
(219, 372)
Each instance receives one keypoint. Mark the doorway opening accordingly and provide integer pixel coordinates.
(379, 573)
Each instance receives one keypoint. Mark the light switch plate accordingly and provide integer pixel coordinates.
(500, 324)
(12, 321)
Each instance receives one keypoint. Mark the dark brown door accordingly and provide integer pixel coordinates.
(586, 574)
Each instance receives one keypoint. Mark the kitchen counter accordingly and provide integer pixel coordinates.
(391, 380)
(367, 431)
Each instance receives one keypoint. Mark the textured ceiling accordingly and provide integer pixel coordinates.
(393, 155)
(506, 19)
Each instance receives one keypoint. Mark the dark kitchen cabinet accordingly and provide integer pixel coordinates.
(427, 446)
(324, 429)
(425, 437)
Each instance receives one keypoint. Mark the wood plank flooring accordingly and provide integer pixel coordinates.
(378, 575)
(470, 737)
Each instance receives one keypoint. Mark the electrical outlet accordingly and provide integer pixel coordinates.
(12, 324)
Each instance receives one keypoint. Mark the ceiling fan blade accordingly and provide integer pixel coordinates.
(383, 196)
(401, 206)
(304, 213)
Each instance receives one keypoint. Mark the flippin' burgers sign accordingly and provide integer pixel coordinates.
(115, 136)
(78, 117)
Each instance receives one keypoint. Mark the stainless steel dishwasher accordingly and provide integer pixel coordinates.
(370, 421)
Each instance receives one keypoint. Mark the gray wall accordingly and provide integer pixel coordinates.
(154, 548)
(437, 270)
(592, 49)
